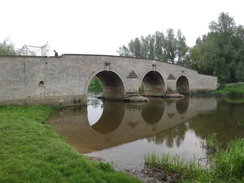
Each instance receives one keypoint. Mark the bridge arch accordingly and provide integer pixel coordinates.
(182, 85)
(153, 83)
(113, 87)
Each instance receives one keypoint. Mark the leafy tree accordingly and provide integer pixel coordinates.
(95, 85)
(170, 46)
(192, 58)
(7, 48)
(221, 51)
(124, 51)
(135, 47)
(239, 71)
(159, 39)
(182, 48)
(167, 48)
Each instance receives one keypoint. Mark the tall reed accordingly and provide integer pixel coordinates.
(229, 163)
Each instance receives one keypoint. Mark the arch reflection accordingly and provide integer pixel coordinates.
(111, 118)
(153, 111)
(182, 105)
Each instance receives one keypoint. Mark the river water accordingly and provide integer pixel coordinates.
(123, 133)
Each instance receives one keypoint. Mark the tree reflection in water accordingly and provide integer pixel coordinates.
(171, 137)
(223, 122)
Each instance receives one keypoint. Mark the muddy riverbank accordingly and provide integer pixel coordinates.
(148, 174)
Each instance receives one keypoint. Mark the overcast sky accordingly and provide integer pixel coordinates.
(102, 26)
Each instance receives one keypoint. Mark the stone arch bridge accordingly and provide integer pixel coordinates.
(64, 80)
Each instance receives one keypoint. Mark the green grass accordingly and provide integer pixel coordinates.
(211, 143)
(227, 165)
(31, 151)
(231, 90)
(174, 164)
(232, 93)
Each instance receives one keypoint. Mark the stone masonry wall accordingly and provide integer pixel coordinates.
(64, 80)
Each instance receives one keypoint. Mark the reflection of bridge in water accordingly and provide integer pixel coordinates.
(125, 122)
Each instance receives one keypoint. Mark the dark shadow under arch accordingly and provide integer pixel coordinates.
(153, 84)
(182, 86)
(113, 87)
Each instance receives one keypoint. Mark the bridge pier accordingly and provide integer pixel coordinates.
(129, 97)
(136, 98)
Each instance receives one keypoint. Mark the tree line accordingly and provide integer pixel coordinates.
(169, 48)
(220, 52)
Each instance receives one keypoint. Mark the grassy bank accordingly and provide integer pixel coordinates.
(225, 165)
(233, 93)
(231, 90)
(31, 151)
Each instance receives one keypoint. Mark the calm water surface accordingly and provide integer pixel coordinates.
(122, 133)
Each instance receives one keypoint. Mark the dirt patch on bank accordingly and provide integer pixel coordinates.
(155, 175)
(149, 174)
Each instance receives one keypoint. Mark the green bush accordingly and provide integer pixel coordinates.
(232, 92)
(141, 89)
